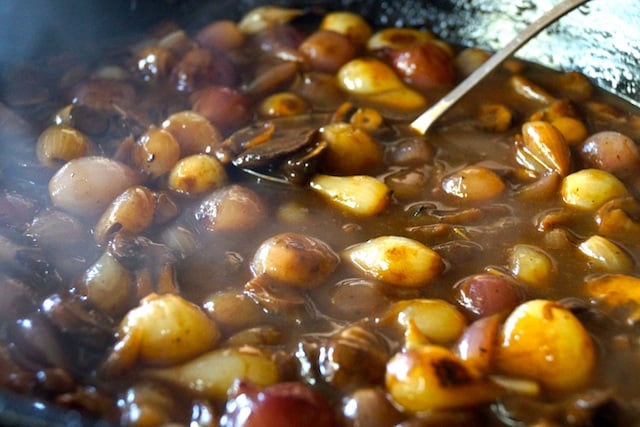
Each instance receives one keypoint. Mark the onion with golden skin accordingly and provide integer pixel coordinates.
(349, 24)
(196, 174)
(619, 218)
(233, 310)
(146, 404)
(436, 320)
(231, 364)
(616, 291)
(544, 341)
(265, 17)
(155, 152)
(573, 129)
(529, 90)
(469, 59)
(132, 212)
(108, 285)
(396, 260)
(532, 265)
(360, 195)
(543, 149)
(58, 144)
(283, 104)
(588, 189)
(432, 378)
(351, 150)
(606, 255)
(370, 80)
(398, 38)
(164, 329)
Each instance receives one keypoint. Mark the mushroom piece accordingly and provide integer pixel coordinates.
(286, 149)
(354, 356)
(28, 262)
(36, 339)
(76, 318)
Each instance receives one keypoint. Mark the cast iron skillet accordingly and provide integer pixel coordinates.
(601, 41)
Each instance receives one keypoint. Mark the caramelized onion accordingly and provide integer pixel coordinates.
(295, 259)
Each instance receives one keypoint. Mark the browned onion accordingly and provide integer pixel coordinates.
(225, 107)
(327, 51)
(424, 66)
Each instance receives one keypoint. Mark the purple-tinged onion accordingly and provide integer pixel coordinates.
(611, 151)
(87, 185)
(289, 404)
(486, 294)
(477, 344)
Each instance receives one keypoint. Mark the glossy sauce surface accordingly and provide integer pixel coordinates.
(204, 262)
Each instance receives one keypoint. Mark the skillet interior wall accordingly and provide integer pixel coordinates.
(600, 40)
(610, 57)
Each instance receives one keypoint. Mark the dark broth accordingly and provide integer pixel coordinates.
(471, 236)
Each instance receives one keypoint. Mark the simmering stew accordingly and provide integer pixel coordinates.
(237, 227)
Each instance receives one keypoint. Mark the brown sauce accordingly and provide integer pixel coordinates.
(335, 339)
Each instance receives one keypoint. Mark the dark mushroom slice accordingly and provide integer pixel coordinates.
(354, 357)
(13, 376)
(18, 299)
(27, 262)
(36, 339)
(280, 144)
(296, 170)
(279, 299)
(16, 210)
(77, 319)
(285, 149)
